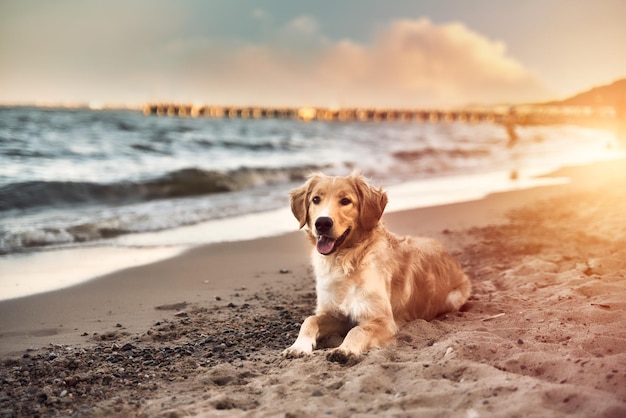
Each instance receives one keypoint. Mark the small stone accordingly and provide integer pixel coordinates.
(283, 271)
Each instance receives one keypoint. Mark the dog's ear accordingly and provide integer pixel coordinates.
(372, 202)
(300, 201)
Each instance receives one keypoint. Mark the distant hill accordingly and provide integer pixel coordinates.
(608, 95)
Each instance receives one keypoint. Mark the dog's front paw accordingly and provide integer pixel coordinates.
(343, 357)
(298, 349)
(291, 353)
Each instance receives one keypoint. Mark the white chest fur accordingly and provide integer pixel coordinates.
(338, 292)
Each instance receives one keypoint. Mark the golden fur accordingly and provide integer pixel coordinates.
(368, 280)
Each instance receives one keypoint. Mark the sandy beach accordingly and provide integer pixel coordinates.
(543, 334)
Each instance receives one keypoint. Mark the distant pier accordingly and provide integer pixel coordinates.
(519, 115)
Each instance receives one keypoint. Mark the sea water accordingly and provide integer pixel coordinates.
(79, 179)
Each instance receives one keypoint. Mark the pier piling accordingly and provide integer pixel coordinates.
(504, 115)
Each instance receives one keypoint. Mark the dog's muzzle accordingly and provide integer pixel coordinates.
(326, 244)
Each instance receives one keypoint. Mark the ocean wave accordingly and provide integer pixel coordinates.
(148, 148)
(36, 237)
(76, 225)
(413, 155)
(235, 144)
(23, 153)
(180, 183)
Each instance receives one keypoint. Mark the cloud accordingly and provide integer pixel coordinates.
(303, 24)
(420, 62)
(409, 63)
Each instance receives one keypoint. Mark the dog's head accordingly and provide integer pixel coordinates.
(337, 210)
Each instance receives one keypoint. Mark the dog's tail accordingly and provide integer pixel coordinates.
(459, 295)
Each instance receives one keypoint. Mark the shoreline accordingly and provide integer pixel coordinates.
(34, 272)
(200, 334)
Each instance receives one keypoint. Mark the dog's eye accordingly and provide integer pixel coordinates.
(316, 200)
(345, 201)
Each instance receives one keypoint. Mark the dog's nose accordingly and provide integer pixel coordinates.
(323, 224)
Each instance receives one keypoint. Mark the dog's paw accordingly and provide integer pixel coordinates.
(298, 349)
(291, 353)
(342, 357)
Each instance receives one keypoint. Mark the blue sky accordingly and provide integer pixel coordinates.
(326, 53)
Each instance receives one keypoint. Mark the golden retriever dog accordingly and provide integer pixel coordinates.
(368, 281)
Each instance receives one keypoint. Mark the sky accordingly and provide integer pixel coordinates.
(339, 53)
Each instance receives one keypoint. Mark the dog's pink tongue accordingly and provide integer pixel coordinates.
(325, 245)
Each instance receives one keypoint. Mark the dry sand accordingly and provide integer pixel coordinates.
(543, 335)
